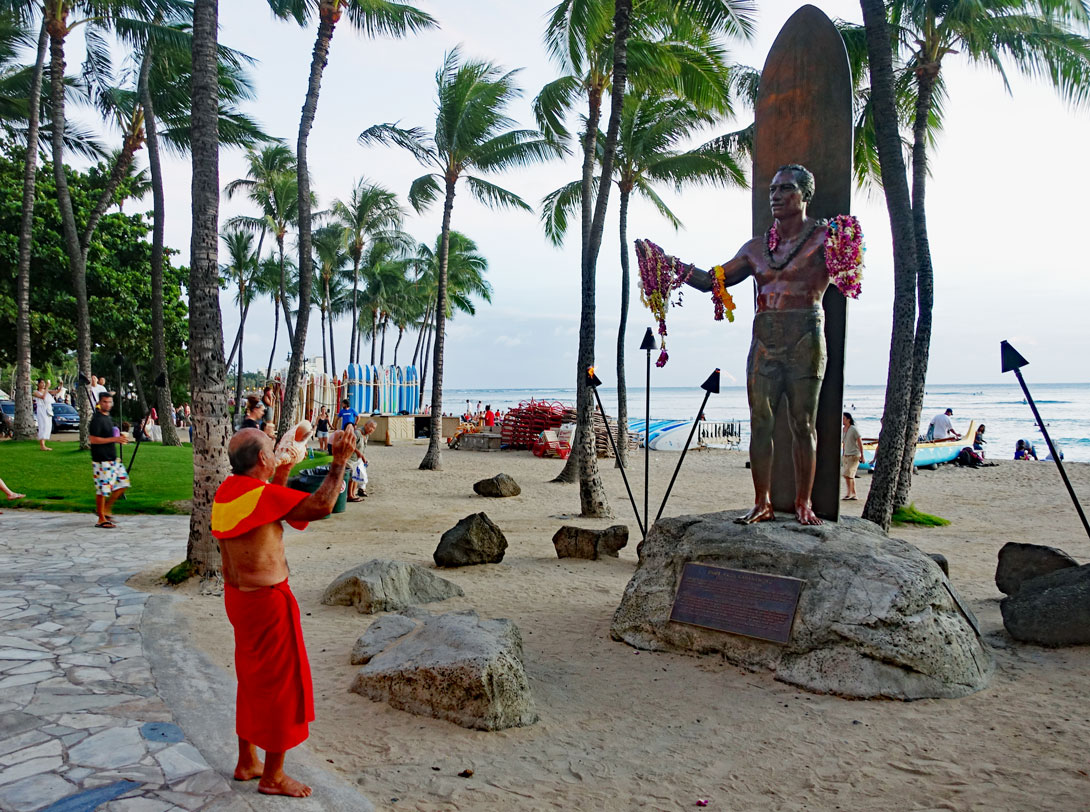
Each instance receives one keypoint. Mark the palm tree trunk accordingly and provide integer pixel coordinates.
(243, 312)
(584, 400)
(24, 414)
(925, 283)
(141, 399)
(325, 360)
(58, 30)
(887, 464)
(236, 346)
(433, 458)
(428, 330)
(374, 333)
(622, 388)
(382, 350)
(159, 349)
(330, 12)
(353, 351)
(332, 350)
(420, 334)
(211, 427)
(284, 292)
(592, 493)
(276, 333)
(400, 333)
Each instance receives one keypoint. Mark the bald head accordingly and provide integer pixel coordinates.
(244, 450)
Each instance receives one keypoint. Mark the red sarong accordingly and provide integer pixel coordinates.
(275, 701)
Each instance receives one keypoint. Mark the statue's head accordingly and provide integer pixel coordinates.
(791, 189)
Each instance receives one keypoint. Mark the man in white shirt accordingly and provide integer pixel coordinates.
(941, 428)
(97, 388)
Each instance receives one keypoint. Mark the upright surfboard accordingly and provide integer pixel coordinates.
(400, 390)
(391, 390)
(804, 115)
(376, 389)
(412, 389)
(354, 386)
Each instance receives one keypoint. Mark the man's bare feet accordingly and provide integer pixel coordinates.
(249, 771)
(16, 496)
(805, 514)
(284, 785)
(762, 512)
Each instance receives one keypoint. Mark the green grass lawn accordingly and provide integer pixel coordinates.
(162, 478)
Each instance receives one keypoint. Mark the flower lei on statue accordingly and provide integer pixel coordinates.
(660, 276)
(844, 251)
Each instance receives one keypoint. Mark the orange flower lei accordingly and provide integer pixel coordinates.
(721, 298)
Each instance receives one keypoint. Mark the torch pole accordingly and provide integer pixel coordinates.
(1053, 450)
(613, 445)
(646, 443)
(684, 451)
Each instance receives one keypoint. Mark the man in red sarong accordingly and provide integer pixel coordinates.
(275, 698)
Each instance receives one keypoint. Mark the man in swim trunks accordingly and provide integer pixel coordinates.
(787, 356)
(275, 701)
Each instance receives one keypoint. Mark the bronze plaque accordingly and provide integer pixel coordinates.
(737, 601)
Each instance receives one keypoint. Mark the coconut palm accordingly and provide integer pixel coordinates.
(384, 268)
(466, 268)
(371, 17)
(330, 259)
(652, 128)
(240, 270)
(370, 212)
(211, 425)
(472, 132)
(272, 184)
(673, 45)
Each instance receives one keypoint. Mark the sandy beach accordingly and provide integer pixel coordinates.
(622, 729)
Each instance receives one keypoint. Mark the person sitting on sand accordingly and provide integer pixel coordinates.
(275, 702)
(1023, 450)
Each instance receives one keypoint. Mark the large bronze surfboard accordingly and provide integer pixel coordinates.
(804, 115)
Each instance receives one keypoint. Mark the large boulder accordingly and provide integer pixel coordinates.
(387, 586)
(474, 540)
(498, 486)
(1051, 610)
(582, 542)
(875, 617)
(453, 666)
(1020, 562)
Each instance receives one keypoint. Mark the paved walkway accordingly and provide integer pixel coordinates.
(96, 698)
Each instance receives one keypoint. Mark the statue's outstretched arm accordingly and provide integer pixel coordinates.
(735, 271)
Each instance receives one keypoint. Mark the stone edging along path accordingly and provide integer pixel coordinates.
(102, 707)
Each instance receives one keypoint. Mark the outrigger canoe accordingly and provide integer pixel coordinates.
(935, 452)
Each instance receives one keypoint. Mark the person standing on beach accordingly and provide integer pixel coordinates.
(852, 455)
(275, 700)
(357, 484)
(43, 412)
(347, 415)
(111, 478)
(321, 430)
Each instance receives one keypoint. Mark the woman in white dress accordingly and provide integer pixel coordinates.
(43, 413)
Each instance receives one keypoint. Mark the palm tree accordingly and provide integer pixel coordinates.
(384, 267)
(472, 131)
(271, 183)
(240, 269)
(267, 283)
(211, 426)
(672, 47)
(330, 259)
(372, 17)
(466, 268)
(24, 418)
(369, 213)
(652, 127)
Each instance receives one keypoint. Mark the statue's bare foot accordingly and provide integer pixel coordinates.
(805, 514)
(249, 770)
(762, 512)
(284, 785)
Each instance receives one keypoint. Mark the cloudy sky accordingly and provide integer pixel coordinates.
(1009, 179)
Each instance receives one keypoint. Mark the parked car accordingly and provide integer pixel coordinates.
(65, 417)
(8, 409)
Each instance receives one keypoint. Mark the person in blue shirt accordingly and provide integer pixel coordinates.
(347, 415)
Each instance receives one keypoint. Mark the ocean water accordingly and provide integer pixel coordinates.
(1065, 409)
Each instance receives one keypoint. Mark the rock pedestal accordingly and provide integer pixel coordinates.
(1052, 609)
(386, 586)
(874, 617)
(453, 666)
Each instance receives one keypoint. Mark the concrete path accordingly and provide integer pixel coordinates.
(102, 707)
